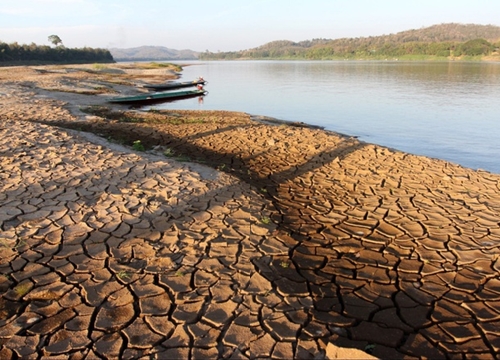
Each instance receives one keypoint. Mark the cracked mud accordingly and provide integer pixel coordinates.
(278, 242)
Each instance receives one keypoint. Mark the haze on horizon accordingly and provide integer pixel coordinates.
(225, 25)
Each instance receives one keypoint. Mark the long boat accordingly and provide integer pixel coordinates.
(175, 85)
(157, 97)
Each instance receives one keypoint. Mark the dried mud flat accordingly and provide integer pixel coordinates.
(273, 241)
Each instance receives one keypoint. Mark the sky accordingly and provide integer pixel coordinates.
(225, 25)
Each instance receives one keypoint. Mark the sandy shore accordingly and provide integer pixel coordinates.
(229, 237)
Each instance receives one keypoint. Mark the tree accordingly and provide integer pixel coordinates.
(54, 39)
(475, 47)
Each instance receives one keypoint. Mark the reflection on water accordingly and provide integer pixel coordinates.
(446, 110)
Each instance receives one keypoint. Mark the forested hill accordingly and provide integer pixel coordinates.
(444, 40)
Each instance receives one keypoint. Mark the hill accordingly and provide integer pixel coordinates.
(152, 53)
(447, 32)
(444, 40)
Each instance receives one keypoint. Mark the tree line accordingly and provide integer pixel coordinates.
(16, 54)
(445, 40)
(355, 50)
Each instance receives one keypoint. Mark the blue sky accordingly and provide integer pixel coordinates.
(225, 25)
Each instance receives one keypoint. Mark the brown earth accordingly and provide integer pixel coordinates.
(229, 237)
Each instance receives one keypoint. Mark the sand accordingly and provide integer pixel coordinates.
(229, 237)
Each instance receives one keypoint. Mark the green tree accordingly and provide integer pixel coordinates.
(54, 39)
(475, 47)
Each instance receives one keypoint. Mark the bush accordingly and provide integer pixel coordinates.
(474, 48)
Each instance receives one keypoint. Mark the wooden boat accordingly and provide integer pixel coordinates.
(175, 85)
(157, 97)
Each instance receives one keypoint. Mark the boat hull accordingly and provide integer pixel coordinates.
(174, 85)
(157, 97)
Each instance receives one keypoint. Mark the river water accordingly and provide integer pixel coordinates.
(446, 110)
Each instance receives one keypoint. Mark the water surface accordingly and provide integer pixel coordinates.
(446, 110)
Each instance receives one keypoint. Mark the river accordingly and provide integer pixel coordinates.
(446, 110)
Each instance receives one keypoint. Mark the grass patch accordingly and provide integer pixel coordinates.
(123, 275)
(117, 140)
(23, 288)
(103, 90)
(285, 264)
(99, 66)
(4, 244)
(130, 119)
(97, 110)
(183, 158)
(157, 65)
(369, 348)
(137, 145)
(169, 152)
(18, 244)
(265, 220)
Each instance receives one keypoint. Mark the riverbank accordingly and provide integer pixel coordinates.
(495, 57)
(400, 105)
(229, 236)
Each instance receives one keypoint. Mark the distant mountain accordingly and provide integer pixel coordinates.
(145, 53)
(447, 32)
(442, 40)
